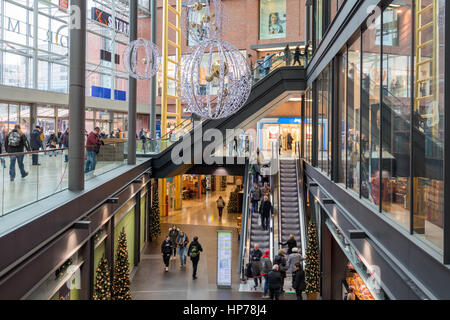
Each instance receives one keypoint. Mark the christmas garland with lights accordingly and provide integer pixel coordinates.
(312, 265)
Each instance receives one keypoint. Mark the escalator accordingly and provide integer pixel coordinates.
(289, 202)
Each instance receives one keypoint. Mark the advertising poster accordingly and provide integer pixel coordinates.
(272, 19)
(224, 256)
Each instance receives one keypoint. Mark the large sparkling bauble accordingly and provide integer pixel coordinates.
(203, 20)
(215, 79)
(141, 59)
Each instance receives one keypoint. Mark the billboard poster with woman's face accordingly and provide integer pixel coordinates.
(272, 19)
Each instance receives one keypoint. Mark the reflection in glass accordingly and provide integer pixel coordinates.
(341, 122)
(428, 125)
(370, 116)
(353, 107)
(395, 117)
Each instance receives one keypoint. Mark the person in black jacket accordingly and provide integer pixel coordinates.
(291, 243)
(166, 250)
(280, 260)
(194, 253)
(299, 280)
(35, 143)
(15, 142)
(255, 259)
(275, 282)
(266, 210)
(173, 234)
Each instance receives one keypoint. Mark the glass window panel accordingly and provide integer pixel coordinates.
(341, 122)
(3, 122)
(25, 119)
(47, 124)
(395, 118)
(47, 111)
(353, 93)
(13, 116)
(63, 113)
(428, 132)
(370, 116)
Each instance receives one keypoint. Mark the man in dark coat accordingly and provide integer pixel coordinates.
(266, 210)
(194, 253)
(299, 280)
(65, 142)
(35, 144)
(274, 279)
(255, 259)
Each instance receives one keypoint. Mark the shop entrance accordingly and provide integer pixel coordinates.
(286, 131)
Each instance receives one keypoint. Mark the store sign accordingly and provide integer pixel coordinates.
(224, 255)
(19, 27)
(106, 19)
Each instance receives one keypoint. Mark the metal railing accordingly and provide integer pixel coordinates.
(301, 209)
(244, 246)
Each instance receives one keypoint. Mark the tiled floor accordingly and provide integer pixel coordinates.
(197, 218)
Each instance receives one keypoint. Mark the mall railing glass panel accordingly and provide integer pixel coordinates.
(49, 175)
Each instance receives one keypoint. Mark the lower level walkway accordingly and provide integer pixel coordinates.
(197, 218)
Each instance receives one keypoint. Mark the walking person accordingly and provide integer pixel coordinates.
(291, 243)
(15, 142)
(266, 211)
(93, 143)
(166, 250)
(294, 258)
(143, 138)
(298, 280)
(182, 242)
(297, 55)
(266, 190)
(287, 55)
(35, 144)
(255, 197)
(280, 143)
(220, 205)
(194, 253)
(275, 282)
(280, 260)
(65, 141)
(255, 259)
(52, 142)
(289, 140)
(173, 234)
(59, 137)
(266, 268)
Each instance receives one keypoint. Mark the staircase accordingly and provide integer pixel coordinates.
(289, 216)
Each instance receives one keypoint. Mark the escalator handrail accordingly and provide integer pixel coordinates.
(301, 210)
(279, 189)
(244, 240)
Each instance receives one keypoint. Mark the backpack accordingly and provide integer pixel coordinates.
(194, 251)
(248, 270)
(14, 139)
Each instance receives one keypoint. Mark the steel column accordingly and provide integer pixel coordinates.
(132, 89)
(77, 94)
(153, 80)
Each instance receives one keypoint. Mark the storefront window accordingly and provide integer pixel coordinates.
(353, 114)
(13, 116)
(272, 19)
(25, 119)
(395, 117)
(308, 125)
(370, 116)
(428, 130)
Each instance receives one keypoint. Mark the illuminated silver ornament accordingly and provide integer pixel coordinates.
(204, 19)
(141, 59)
(215, 79)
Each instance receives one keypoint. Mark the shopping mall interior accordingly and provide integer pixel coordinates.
(224, 150)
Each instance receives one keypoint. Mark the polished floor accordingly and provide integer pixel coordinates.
(197, 218)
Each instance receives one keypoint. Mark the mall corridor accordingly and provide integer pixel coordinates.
(197, 218)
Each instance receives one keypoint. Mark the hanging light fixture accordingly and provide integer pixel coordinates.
(141, 59)
(215, 79)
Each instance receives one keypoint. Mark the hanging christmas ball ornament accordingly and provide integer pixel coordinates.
(141, 59)
(215, 79)
(203, 20)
